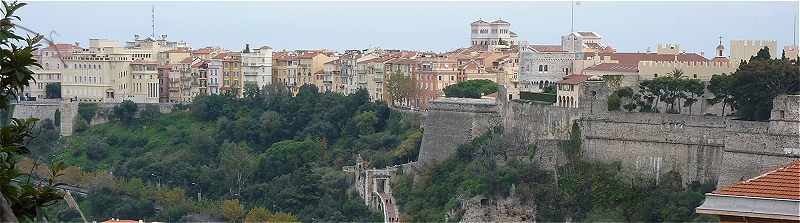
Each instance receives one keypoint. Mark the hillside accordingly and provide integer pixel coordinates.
(268, 150)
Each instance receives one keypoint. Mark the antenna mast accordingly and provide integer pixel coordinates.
(153, 24)
(572, 17)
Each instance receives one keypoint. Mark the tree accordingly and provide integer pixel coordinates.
(366, 122)
(125, 112)
(400, 88)
(691, 90)
(471, 89)
(721, 85)
(19, 201)
(237, 163)
(757, 82)
(283, 217)
(763, 54)
(258, 214)
(232, 211)
(150, 112)
(53, 90)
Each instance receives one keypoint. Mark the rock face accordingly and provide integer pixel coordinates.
(480, 209)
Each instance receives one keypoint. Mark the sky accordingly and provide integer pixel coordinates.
(427, 26)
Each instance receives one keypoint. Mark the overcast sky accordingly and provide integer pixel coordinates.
(437, 26)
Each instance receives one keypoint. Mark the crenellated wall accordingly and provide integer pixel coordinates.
(703, 70)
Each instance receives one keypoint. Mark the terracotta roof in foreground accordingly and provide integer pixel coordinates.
(782, 183)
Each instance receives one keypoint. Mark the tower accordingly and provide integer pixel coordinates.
(720, 48)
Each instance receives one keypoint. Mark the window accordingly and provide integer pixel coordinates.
(541, 68)
(655, 75)
(440, 77)
(694, 76)
(545, 67)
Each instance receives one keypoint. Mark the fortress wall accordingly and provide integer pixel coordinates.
(700, 148)
(529, 123)
(451, 122)
(650, 145)
(40, 111)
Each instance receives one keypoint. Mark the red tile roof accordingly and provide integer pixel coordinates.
(634, 58)
(547, 48)
(60, 46)
(574, 79)
(402, 61)
(178, 50)
(782, 183)
(187, 60)
(615, 67)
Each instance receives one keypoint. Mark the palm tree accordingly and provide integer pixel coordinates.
(676, 74)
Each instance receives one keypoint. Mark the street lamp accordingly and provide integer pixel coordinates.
(158, 179)
(199, 191)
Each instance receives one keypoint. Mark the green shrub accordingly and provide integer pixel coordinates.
(542, 97)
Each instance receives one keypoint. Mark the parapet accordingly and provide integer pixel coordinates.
(464, 105)
(785, 115)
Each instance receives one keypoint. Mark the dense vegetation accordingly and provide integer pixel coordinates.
(549, 98)
(757, 82)
(470, 89)
(579, 191)
(274, 154)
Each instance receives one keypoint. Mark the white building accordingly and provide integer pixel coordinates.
(492, 33)
(214, 75)
(541, 66)
(582, 42)
(257, 65)
(106, 72)
(52, 60)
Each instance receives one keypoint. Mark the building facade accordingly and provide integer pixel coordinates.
(497, 32)
(257, 66)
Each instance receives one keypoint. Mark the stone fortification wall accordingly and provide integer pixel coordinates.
(650, 145)
(454, 121)
(37, 110)
(752, 148)
(69, 111)
(700, 148)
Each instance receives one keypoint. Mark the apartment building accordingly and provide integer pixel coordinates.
(52, 59)
(257, 66)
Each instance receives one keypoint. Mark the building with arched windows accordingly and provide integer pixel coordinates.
(497, 32)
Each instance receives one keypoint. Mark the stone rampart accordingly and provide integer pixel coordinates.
(700, 148)
(454, 121)
(651, 144)
(69, 111)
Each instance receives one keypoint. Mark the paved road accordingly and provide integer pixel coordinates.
(390, 208)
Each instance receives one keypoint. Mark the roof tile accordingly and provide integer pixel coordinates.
(782, 183)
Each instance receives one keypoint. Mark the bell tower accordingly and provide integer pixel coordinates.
(720, 48)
